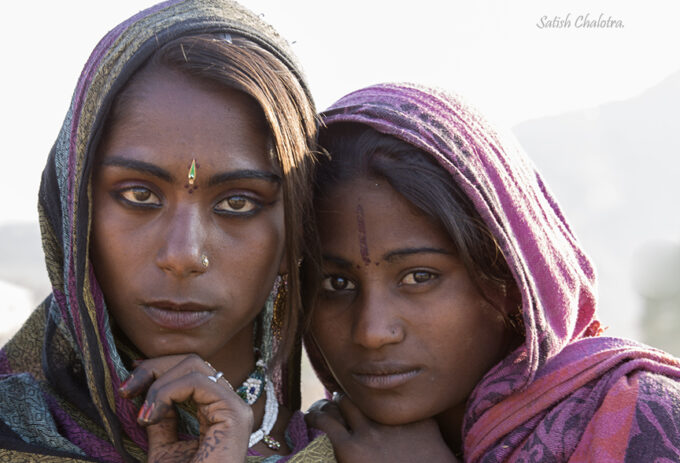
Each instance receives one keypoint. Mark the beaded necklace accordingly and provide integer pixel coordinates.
(250, 391)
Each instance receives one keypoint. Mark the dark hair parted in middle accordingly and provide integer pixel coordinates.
(288, 112)
(358, 151)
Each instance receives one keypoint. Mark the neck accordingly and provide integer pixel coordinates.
(237, 358)
(451, 427)
(237, 361)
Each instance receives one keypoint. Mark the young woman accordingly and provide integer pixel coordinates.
(170, 210)
(456, 312)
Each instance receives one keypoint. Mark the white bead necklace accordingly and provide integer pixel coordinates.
(271, 412)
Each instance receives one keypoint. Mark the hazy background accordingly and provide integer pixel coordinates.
(597, 110)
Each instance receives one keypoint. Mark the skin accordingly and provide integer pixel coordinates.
(151, 230)
(406, 335)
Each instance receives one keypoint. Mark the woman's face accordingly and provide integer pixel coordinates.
(399, 322)
(153, 229)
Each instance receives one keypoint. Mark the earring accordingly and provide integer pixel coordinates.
(268, 328)
(279, 304)
(205, 261)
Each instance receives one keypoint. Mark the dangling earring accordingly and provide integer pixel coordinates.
(279, 305)
(272, 318)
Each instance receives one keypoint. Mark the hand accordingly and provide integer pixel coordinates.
(358, 439)
(225, 420)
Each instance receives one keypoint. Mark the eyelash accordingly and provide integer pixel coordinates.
(329, 278)
(255, 206)
(120, 194)
(327, 282)
(431, 277)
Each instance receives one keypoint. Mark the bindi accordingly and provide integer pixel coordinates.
(191, 177)
(361, 227)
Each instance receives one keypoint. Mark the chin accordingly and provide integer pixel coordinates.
(391, 413)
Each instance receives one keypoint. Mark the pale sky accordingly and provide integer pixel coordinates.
(492, 52)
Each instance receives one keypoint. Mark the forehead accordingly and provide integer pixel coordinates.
(165, 112)
(371, 209)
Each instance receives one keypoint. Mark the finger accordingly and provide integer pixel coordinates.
(355, 419)
(163, 370)
(164, 432)
(145, 372)
(328, 423)
(318, 405)
(329, 407)
(193, 385)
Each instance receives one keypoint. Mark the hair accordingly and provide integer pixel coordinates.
(240, 64)
(358, 151)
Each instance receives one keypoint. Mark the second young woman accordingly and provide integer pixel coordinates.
(456, 312)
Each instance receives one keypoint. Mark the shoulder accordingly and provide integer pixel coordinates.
(638, 420)
(656, 431)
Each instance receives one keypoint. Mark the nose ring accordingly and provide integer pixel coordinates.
(205, 261)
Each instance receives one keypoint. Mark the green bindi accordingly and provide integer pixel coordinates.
(192, 172)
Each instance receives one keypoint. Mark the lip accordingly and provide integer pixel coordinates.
(384, 375)
(178, 315)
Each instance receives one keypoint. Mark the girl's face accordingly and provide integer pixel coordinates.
(399, 322)
(187, 267)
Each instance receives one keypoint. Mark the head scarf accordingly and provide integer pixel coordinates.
(566, 393)
(59, 376)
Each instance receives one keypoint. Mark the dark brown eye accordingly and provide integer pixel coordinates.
(417, 277)
(140, 195)
(336, 283)
(237, 204)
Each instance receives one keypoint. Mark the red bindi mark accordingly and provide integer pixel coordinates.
(361, 227)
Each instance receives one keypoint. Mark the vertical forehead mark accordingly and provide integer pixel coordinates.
(361, 228)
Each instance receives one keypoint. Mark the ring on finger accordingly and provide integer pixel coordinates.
(216, 376)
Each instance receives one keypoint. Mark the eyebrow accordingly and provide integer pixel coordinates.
(139, 166)
(390, 256)
(400, 253)
(243, 174)
(339, 261)
(159, 172)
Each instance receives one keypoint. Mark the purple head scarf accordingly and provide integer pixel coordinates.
(554, 398)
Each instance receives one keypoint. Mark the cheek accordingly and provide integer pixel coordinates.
(330, 335)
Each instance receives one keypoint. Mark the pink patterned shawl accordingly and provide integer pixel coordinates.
(567, 394)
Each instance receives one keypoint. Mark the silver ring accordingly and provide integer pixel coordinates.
(217, 376)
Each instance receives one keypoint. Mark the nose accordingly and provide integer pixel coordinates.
(182, 252)
(377, 322)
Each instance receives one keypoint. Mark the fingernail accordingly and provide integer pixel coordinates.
(147, 413)
(125, 384)
(140, 414)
